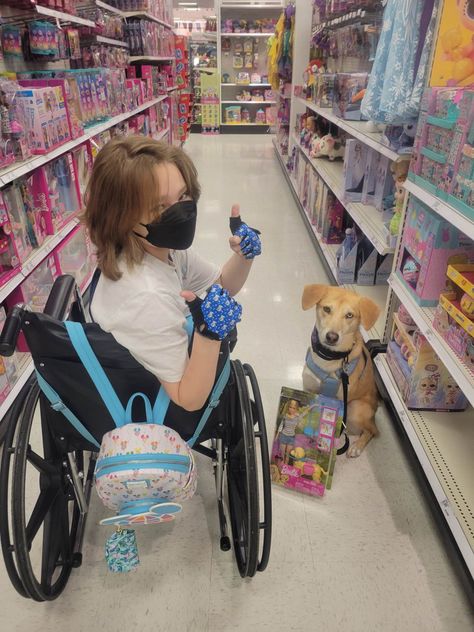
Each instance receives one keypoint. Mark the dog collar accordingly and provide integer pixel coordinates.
(323, 352)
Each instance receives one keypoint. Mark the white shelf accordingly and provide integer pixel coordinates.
(149, 58)
(368, 218)
(146, 16)
(246, 124)
(18, 169)
(246, 34)
(423, 317)
(162, 134)
(36, 257)
(64, 17)
(378, 293)
(357, 129)
(170, 89)
(443, 444)
(441, 207)
(108, 7)
(19, 384)
(108, 40)
(251, 102)
(246, 85)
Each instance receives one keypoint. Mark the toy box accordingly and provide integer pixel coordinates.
(349, 90)
(460, 340)
(233, 114)
(304, 451)
(355, 161)
(13, 201)
(367, 260)
(424, 382)
(324, 90)
(20, 202)
(56, 192)
(34, 291)
(429, 244)
(332, 231)
(9, 260)
(74, 256)
(347, 258)
(83, 167)
(452, 63)
(370, 177)
(384, 184)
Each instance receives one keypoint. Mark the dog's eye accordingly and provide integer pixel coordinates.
(327, 309)
(349, 315)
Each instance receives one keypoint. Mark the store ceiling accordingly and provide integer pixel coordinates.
(202, 4)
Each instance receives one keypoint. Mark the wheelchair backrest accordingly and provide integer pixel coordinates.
(57, 362)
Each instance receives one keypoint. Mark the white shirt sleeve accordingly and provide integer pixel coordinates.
(152, 329)
(198, 274)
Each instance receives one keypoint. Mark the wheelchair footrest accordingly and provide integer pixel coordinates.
(155, 514)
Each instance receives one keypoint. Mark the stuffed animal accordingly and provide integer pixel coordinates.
(314, 149)
(330, 147)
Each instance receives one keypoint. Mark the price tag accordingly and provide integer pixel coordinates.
(446, 507)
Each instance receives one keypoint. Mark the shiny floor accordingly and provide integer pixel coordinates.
(366, 558)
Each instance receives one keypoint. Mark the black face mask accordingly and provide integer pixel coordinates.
(176, 227)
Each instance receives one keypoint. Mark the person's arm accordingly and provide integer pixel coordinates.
(192, 391)
(236, 270)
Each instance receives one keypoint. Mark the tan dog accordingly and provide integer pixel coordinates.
(339, 314)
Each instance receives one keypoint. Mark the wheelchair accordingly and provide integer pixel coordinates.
(47, 466)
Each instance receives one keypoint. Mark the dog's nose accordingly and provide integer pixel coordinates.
(332, 337)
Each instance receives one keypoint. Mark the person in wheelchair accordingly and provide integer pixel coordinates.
(141, 216)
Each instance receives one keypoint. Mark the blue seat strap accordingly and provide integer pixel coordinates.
(213, 401)
(59, 406)
(96, 372)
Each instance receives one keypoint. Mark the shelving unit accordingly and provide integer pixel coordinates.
(443, 448)
(135, 58)
(245, 85)
(16, 170)
(423, 317)
(100, 39)
(63, 17)
(146, 16)
(252, 102)
(328, 253)
(109, 8)
(368, 218)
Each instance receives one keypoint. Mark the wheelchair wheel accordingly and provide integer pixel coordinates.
(45, 512)
(6, 466)
(248, 424)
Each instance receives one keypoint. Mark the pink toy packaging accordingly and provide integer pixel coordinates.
(16, 212)
(21, 196)
(355, 161)
(9, 260)
(74, 257)
(424, 382)
(10, 363)
(429, 244)
(83, 168)
(304, 446)
(34, 291)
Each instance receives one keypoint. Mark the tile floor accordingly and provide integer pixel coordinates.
(366, 558)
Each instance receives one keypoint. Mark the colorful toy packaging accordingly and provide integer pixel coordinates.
(304, 451)
(355, 161)
(349, 90)
(424, 382)
(9, 260)
(429, 243)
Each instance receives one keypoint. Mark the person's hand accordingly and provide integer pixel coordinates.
(245, 241)
(216, 315)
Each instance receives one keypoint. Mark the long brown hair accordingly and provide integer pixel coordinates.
(123, 187)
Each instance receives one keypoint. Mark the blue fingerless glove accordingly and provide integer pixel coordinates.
(217, 315)
(251, 246)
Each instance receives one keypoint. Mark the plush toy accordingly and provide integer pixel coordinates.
(330, 147)
(314, 149)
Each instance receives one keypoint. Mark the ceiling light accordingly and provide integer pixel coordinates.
(187, 4)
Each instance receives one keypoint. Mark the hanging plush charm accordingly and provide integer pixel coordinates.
(121, 551)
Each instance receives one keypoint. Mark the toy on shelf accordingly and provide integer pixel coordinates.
(355, 160)
(9, 260)
(349, 90)
(429, 244)
(328, 146)
(400, 138)
(324, 90)
(423, 380)
(233, 114)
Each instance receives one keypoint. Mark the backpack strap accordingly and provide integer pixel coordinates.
(58, 405)
(96, 372)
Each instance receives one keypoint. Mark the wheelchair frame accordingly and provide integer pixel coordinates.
(66, 478)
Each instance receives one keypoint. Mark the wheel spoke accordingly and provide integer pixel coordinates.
(40, 510)
(39, 463)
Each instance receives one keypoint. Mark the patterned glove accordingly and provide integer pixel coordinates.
(217, 315)
(251, 246)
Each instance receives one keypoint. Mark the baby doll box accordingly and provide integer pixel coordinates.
(9, 259)
(424, 382)
(429, 243)
(13, 201)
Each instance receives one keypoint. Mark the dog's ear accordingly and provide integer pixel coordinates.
(369, 312)
(312, 294)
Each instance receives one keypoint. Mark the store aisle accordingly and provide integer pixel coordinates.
(366, 558)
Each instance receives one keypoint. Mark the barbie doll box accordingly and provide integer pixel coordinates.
(304, 447)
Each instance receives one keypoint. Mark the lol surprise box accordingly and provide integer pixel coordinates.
(429, 244)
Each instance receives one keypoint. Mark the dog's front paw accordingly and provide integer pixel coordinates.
(354, 451)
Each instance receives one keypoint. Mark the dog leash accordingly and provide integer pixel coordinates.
(345, 393)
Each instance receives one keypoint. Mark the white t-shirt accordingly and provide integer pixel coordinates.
(145, 313)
